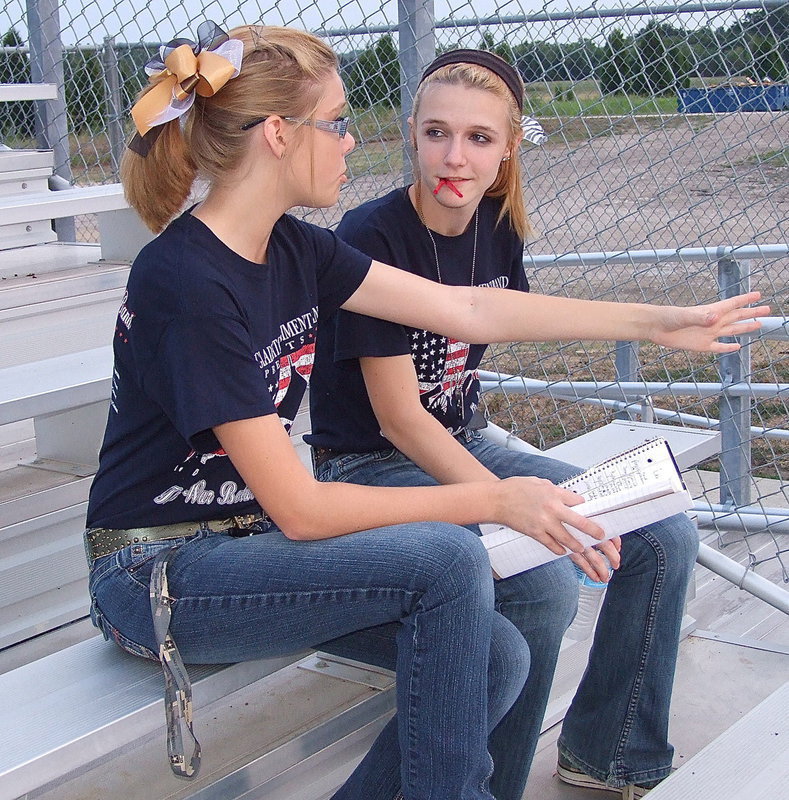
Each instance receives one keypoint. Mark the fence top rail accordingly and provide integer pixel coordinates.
(560, 16)
(642, 10)
(653, 256)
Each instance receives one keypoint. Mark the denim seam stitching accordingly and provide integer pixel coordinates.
(619, 765)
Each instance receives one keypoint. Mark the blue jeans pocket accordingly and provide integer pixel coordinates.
(110, 632)
(348, 465)
(119, 591)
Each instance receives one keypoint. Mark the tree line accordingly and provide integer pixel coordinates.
(658, 59)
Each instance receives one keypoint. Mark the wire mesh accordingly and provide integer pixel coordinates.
(667, 128)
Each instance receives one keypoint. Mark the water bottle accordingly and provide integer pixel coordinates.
(590, 598)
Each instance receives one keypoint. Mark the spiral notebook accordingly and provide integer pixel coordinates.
(630, 490)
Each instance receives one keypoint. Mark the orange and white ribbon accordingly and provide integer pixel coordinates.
(182, 69)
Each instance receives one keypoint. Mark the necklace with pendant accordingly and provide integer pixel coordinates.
(474, 253)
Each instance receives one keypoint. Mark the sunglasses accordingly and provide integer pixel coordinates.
(338, 126)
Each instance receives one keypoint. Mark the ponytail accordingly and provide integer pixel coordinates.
(158, 184)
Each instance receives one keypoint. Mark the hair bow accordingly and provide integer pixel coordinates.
(204, 67)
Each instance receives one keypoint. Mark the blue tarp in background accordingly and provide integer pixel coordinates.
(768, 97)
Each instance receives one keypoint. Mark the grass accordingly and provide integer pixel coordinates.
(612, 106)
(376, 157)
(772, 158)
(565, 99)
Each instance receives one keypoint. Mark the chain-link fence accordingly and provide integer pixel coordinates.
(667, 131)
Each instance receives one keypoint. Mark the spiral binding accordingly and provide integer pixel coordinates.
(622, 458)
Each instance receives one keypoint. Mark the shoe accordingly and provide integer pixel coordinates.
(575, 777)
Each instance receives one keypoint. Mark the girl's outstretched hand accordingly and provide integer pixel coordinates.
(700, 327)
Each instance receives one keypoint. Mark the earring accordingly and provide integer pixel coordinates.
(506, 158)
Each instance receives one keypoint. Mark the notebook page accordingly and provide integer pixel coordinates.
(630, 490)
(511, 552)
(629, 472)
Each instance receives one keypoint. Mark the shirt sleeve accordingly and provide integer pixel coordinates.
(204, 374)
(356, 335)
(342, 269)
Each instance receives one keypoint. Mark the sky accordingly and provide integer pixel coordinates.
(88, 22)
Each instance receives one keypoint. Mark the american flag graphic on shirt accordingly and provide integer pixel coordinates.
(444, 381)
(301, 362)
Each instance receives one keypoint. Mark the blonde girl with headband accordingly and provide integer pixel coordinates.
(208, 540)
(397, 406)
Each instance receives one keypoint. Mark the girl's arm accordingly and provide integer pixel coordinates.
(393, 388)
(304, 508)
(483, 315)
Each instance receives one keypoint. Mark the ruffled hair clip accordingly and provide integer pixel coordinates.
(533, 132)
(182, 68)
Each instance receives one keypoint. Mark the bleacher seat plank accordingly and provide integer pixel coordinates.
(55, 384)
(43, 574)
(10, 92)
(77, 705)
(24, 180)
(690, 446)
(83, 278)
(45, 259)
(20, 209)
(13, 160)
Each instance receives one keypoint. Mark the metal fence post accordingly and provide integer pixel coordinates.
(735, 412)
(112, 96)
(626, 364)
(417, 45)
(46, 66)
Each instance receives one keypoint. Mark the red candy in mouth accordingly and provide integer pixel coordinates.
(449, 185)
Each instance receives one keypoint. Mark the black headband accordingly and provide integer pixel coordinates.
(481, 58)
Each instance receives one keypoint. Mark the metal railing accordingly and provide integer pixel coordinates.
(735, 388)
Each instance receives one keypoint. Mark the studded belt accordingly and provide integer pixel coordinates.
(104, 541)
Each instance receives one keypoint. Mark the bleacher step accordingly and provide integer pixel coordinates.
(81, 282)
(749, 761)
(24, 180)
(40, 260)
(27, 91)
(50, 385)
(52, 313)
(689, 445)
(19, 160)
(66, 203)
(314, 764)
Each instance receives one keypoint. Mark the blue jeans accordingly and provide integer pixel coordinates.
(617, 726)
(266, 595)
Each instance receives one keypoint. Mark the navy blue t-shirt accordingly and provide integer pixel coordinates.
(206, 337)
(389, 230)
